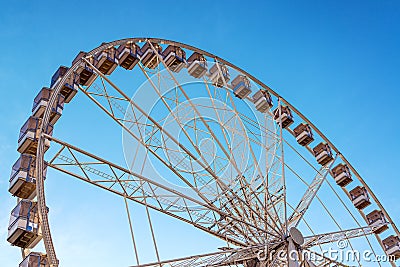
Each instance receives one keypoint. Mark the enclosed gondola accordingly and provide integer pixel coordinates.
(29, 136)
(23, 177)
(262, 101)
(69, 87)
(360, 198)
(149, 57)
(283, 114)
(40, 104)
(241, 86)
(128, 55)
(35, 259)
(323, 153)
(106, 61)
(24, 229)
(174, 58)
(341, 174)
(197, 65)
(84, 73)
(219, 75)
(303, 134)
(392, 246)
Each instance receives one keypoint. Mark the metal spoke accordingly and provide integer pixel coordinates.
(226, 257)
(315, 240)
(283, 168)
(308, 196)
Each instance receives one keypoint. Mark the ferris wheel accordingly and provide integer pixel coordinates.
(209, 145)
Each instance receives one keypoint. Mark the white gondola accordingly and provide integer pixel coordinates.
(284, 115)
(241, 86)
(377, 220)
(84, 73)
(197, 65)
(23, 177)
(392, 246)
(35, 259)
(149, 57)
(106, 61)
(360, 198)
(174, 58)
(323, 153)
(29, 136)
(303, 134)
(69, 88)
(24, 229)
(341, 174)
(262, 101)
(128, 55)
(219, 75)
(40, 104)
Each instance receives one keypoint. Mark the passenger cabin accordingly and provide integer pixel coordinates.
(106, 61)
(197, 65)
(377, 220)
(24, 229)
(128, 55)
(68, 89)
(35, 259)
(174, 58)
(323, 153)
(241, 86)
(215, 75)
(85, 75)
(360, 198)
(283, 114)
(40, 103)
(392, 246)
(262, 101)
(29, 136)
(149, 57)
(341, 174)
(23, 177)
(303, 134)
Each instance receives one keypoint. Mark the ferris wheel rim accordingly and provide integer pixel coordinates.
(56, 90)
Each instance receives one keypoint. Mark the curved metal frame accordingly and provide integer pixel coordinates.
(56, 90)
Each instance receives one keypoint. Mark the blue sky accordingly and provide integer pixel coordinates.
(338, 62)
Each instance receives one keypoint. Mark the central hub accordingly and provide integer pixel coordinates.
(296, 236)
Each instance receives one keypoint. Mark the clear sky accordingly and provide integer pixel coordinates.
(338, 62)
